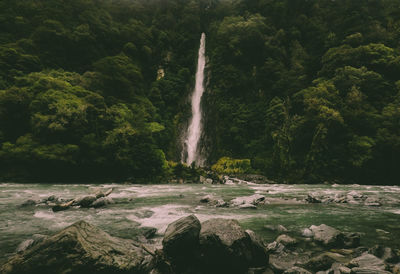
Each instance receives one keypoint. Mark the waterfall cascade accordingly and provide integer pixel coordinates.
(191, 145)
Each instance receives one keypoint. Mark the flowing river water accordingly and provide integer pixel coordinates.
(156, 206)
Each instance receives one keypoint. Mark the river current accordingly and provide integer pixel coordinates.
(156, 206)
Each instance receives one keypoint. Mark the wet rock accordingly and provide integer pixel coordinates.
(368, 263)
(36, 238)
(226, 247)
(280, 263)
(61, 207)
(79, 248)
(85, 201)
(372, 202)
(258, 248)
(286, 240)
(253, 200)
(313, 199)
(148, 232)
(324, 261)
(143, 214)
(307, 233)
(385, 253)
(221, 203)
(275, 247)
(340, 199)
(52, 198)
(100, 202)
(181, 238)
(354, 194)
(29, 202)
(351, 239)
(297, 270)
(327, 235)
(207, 199)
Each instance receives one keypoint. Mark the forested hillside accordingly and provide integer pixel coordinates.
(307, 90)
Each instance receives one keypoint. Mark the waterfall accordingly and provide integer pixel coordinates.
(191, 145)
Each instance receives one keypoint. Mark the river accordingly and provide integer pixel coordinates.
(158, 205)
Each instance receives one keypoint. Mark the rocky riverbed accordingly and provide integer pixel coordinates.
(214, 246)
(292, 221)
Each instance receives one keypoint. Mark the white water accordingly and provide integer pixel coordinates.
(195, 127)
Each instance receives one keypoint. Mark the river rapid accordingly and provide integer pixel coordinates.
(156, 206)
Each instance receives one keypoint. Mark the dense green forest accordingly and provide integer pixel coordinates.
(309, 91)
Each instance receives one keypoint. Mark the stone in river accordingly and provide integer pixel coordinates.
(286, 240)
(85, 201)
(327, 235)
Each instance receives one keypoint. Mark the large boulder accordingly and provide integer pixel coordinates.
(181, 238)
(79, 248)
(227, 248)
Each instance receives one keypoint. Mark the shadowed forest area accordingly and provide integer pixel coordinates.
(304, 91)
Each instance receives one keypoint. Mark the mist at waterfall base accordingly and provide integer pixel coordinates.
(191, 151)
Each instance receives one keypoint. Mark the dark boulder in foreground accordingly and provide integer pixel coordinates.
(79, 248)
(182, 238)
(227, 248)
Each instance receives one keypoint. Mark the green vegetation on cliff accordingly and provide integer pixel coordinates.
(307, 90)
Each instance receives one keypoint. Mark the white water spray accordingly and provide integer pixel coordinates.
(194, 130)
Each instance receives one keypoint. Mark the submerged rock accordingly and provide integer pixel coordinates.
(79, 248)
(29, 202)
(253, 200)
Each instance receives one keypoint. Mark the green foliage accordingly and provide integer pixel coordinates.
(226, 165)
(308, 90)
